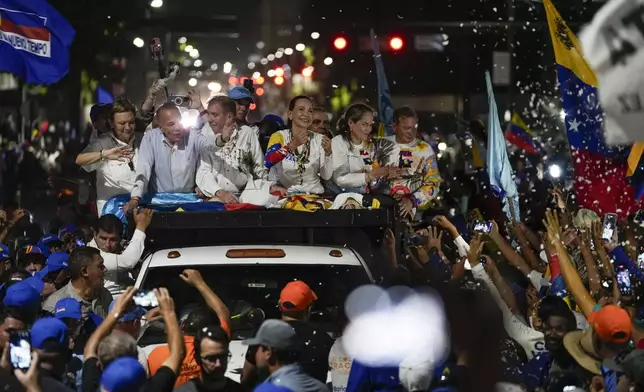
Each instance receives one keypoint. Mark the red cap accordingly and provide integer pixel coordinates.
(296, 296)
(611, 323)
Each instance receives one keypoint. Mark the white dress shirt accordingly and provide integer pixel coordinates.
(118, 266)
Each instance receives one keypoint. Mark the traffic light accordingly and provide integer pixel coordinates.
(340, 43)
(396, 43)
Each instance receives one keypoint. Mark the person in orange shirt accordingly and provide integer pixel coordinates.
(196, 320)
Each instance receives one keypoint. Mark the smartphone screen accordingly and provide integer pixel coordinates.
(610, 224)
(146, 300)
(482, 227)
(639, 218)
(640, 261)
(20, 350)
(624, 282)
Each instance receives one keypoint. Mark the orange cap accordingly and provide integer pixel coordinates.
(296, 296)
(611, 323)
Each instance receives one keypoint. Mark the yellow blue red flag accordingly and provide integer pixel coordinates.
(600, 170)
(518, 133)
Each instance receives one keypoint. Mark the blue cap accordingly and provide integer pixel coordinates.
(123, 375)
(66, 229)
(45, 242)
(35, 282)
(275, 118)
(240, 93)
(68, 308)
(32, 250)
(21, 294)
(270, 387)
(48, 328)
(131, 314)
(56, 262)
(5, 253)
(95, 318)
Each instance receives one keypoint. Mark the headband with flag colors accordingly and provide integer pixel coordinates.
(600, 170)
(521, 136)
(385, 107)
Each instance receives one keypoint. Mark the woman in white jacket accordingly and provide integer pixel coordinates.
(296, 157)
(359, 162)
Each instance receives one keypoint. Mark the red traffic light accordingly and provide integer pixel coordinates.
(396, 43)
(340, 43)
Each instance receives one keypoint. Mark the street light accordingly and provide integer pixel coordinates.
(192, 82)
(156, 3)
(228, 67)
(270, 57)
(278, 55)
(328, 61)
(300, 47)
(340, 43)
(315, 35)
(198, 63)
(138, 42)
(182, 40)
(188, 48)
(396, 43)
(215, 87)
(288, 51)
(194, 53)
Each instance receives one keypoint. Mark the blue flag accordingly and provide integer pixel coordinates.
(385, 107)
(498, 162)
(34, 41)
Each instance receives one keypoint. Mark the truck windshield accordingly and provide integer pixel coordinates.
(259, 286)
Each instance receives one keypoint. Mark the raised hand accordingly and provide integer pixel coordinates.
(118, 153)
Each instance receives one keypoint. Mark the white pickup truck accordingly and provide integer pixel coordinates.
(254, 274)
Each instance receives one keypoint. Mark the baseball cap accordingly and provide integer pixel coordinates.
(296, 296)
(56, 262)
(611, 323)
(619, 74)
(21, 294)
(48, 328)
(131, 314)
(68, 308)
(66, 229)
(46, 242)
(5, 253)
(123, 374)
(276, 334)
(270, 387)
(240, 93)
(632, 366)
(35, 282)
(275, 118)
(31, 250)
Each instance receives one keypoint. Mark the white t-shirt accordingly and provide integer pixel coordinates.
(340, 365)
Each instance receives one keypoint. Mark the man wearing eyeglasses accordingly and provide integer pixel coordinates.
(212, 355)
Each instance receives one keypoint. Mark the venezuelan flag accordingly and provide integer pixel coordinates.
(635, 172)
(521, 136)
(600, 170)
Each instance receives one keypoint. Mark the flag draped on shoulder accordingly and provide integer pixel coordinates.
(498, 162)
(521, 136)
(385, 107)
(600, 170)
(34, 41)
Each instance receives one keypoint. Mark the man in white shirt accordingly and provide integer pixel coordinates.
(119, 262)
(238, 164)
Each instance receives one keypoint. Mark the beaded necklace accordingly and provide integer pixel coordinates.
(302, 158)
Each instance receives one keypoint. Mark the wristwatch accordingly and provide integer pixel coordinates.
(102, 157)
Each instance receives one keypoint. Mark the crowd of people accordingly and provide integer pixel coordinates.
(549, 302)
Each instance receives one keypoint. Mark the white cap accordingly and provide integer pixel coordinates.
(620, 73)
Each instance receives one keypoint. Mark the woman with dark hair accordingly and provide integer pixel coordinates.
(359, 162)
(296, 157)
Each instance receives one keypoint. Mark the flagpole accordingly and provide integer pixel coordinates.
(510, 96)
